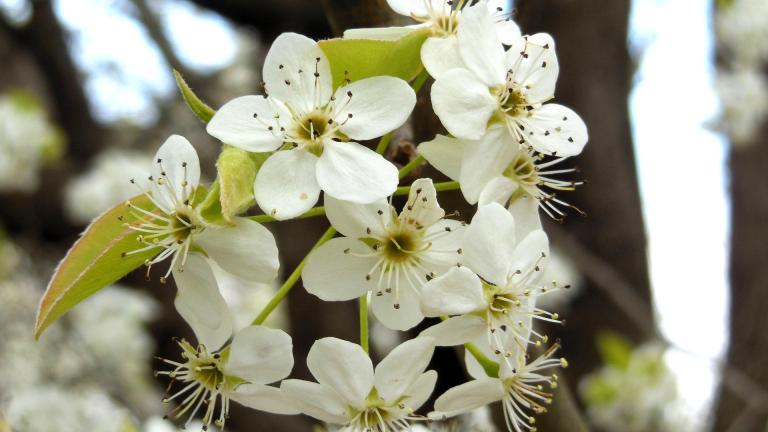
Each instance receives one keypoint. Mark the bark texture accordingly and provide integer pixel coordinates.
(595, 80)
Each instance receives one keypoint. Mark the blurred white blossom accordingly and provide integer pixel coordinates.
(27, 141)
(742, 26)
(105, 183)
(76, 370)
(54, 408)
(744, 95)
(634, 391)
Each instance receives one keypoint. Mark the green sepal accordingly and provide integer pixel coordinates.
(198, 107)
(355, 59)
(237, 172)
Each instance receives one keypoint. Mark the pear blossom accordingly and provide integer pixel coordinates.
(312, 127)
(495, 169)
(440, 52)
(212, 373)
(388, 254)
(351, 393)
(508, 88)
(492, 295)
(519, 389)
(246, 249)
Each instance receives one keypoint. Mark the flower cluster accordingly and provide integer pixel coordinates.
(408, 259)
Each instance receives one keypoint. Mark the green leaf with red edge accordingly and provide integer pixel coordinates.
(95, 261)
(355, 59)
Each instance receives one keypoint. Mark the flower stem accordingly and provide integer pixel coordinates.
(315, 211)
(364, 321)
(412, 165)
(291, 281)
(418, 83)
(384, 143)
(490, 367)
(440, 187)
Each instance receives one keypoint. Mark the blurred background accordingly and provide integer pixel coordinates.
(666, 324)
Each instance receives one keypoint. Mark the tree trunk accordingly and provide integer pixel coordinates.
(595, 80)
(748, 347)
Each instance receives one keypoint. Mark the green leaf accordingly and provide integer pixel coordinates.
(356, 59)
(237, 173)
(210, 208)
(95, 261)
(614, 349)
(200, 108)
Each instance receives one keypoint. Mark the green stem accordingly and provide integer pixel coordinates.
(315, 211)
(291, 281)
(490, 367)
(439, 187)
(418, 83)
(364, 321)
(412, 165)
(384, 143)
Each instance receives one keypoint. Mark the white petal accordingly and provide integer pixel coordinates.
(200, 303)
(529, 254)
(376, 106)
(422, 206)
(380, 33)
(354, 220)
(352, 172)
(445, 154)
(315, 400)
(289, 72)
(245, 122)
(408, 7)
(286, 185)
(498, 190)
(441, 54)
(400, 369)
(175, 173)
(484, 160)
(463, 103)
(535, 66)
(264, 398)
(420, 391)
(406, 316)
(480, 47)
(507, 30)
(247, 250)
(444, 252)
(457, 292)
(333, 275)
(489, 243)
(467, 397)
(525, 210)
(556, 130)
(457, 330)
(260, 355)
(342, 366)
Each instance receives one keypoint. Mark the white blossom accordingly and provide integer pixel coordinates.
(213, 373)
(507, 88)
(349, 392)
(744, 95)
(519, 388)
(492, 295)
(312, 126)
(495, 169)
(440, 52)
(388, 254)
(246, 249)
